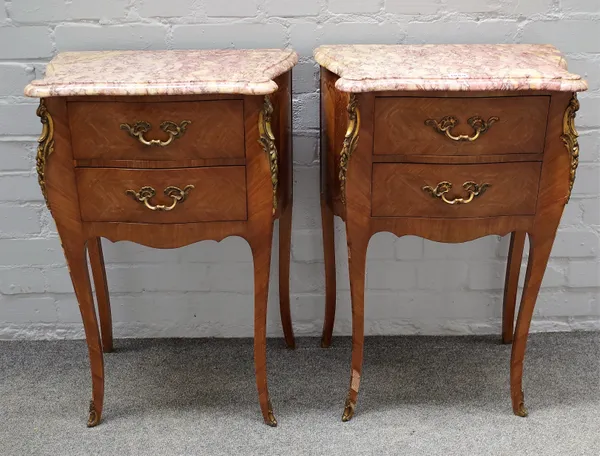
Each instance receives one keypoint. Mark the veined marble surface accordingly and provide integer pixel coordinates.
(248, 72)
(453, 67)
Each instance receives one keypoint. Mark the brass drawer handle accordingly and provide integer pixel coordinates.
(171, 128)
(444, 187)
(145, 193)
(447, 123)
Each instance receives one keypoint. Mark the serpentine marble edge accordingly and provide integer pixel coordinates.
(247, 72)
(452, 67)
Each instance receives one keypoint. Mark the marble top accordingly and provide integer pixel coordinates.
(248, 72)
(452, 67)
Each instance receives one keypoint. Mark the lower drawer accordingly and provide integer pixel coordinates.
(162, 195)
(482, 190)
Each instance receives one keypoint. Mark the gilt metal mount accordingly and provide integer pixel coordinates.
(350, 143)
(267, 141)
(447, 123)
(45, 146)
(569, 138)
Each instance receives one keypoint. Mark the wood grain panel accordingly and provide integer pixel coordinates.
(456, 159)
(398, 189)
(452, 230)
(152, 164)
(219, 194)
(400, 125)
(216, 130)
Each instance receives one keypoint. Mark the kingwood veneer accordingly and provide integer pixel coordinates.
(166, 149)
(450, 143)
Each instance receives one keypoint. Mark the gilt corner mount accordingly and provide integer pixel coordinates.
(569, 138)
(45, 146)
(267, 140)
(350, 142)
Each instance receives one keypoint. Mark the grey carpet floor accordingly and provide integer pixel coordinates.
(419, 395)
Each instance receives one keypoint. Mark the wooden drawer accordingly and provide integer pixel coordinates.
(398, 189)
(401, 129)
(219, 194)
(216, 130)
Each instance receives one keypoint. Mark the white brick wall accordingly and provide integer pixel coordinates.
(414, 286)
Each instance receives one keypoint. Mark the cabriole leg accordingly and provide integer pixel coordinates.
(285, 243)
(357, 255)
(540, 246)
(75, 254)
(513, 269)
(329, 254)
(101, 286)
(261, 252)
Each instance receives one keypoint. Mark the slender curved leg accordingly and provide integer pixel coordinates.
(99, 275)
(75, 254)
(285, 244)
(357, 254)
(261, 251)
(329, 253)
(511, 284)
(539, 253)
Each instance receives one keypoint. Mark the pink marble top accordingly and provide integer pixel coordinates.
(454, 67)
(248, 72)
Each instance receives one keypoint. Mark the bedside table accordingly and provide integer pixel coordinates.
(167, 148)
(450, 143)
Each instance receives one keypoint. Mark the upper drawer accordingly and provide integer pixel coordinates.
(460, 126)
(184, 195)
(207, 129)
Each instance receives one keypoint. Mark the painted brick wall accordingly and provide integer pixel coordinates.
(414, 286)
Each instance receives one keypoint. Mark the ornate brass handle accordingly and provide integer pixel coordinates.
(447, 123)
(174, 131)
(444, 187)
(145, 193)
